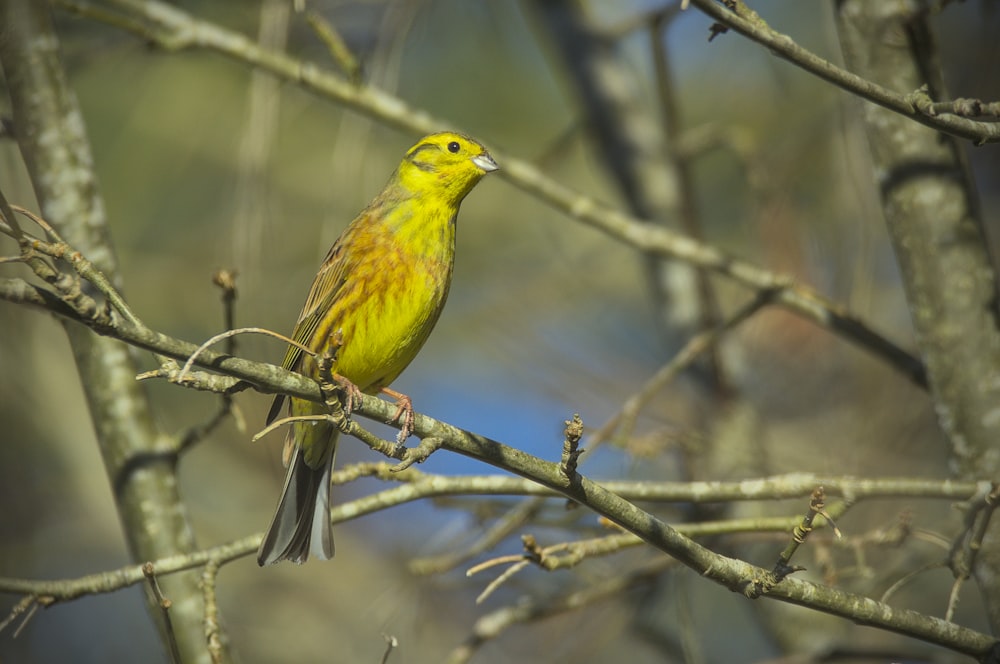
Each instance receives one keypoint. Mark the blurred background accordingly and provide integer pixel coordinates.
(204, 165)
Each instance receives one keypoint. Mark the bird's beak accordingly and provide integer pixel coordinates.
(485, 162)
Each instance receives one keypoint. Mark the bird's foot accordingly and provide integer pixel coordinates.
(352, 393)
(403, 414)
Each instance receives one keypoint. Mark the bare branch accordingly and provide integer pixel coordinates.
(213, 630)
(172, 29)
(735, 15)
(490, 626)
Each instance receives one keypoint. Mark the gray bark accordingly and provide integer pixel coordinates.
(52, 138)
(929, 204)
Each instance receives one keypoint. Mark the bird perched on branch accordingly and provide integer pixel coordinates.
(374, 302)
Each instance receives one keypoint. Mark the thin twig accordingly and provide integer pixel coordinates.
(164, 602)
(504, 526)
(817, 507)
(213, 630)
(962, 557)
(709, 309)
(336, 46)
(226, 335)
(627, 415)
(391, 643)
(906, 579)
(226, 281)
(83, 267)
(277, 424)
(24, 609)
(500, 580)
(491, 625)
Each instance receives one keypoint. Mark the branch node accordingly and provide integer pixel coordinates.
(759, 586)
(418, 454)
(532, 551)
(571, 447)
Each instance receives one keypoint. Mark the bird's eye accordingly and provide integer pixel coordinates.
(453, 147)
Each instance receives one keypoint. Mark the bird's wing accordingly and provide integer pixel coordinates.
(326, 288)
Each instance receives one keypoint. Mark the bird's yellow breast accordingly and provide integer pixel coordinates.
(391, 302)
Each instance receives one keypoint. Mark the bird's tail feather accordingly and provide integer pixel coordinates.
(301, 524)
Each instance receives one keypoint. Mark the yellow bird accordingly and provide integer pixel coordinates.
(378, 293)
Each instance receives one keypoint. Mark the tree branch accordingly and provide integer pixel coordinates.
(173, 29)
(736, 15)
(420, 486)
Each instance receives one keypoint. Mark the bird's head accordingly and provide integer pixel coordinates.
(445, 164)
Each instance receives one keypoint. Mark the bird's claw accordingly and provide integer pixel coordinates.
(352, 394)
(403, 416)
